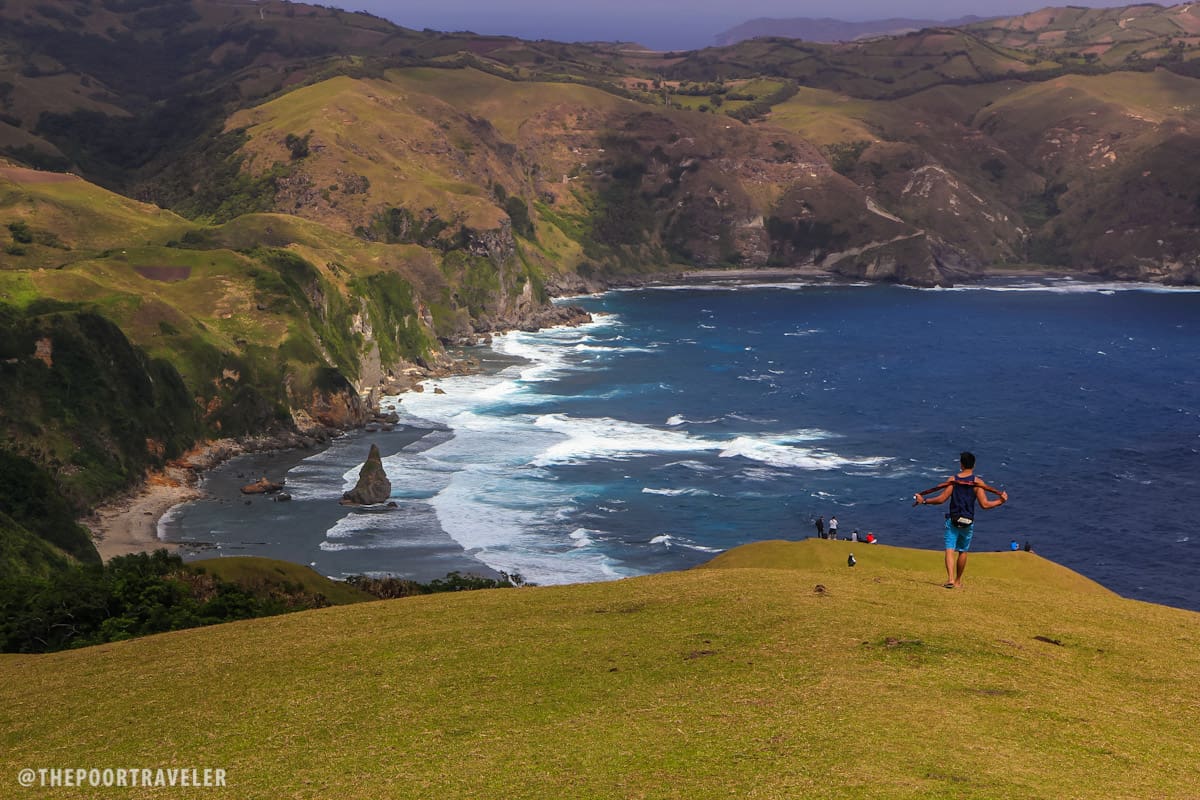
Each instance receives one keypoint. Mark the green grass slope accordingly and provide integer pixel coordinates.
(713, 683)
(813, 554)
(264, 576)
(25, 553)
(1106, 37)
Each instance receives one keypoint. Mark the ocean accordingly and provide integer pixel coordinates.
(688, 420)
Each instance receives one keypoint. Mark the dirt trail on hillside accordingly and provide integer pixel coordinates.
(24, 175)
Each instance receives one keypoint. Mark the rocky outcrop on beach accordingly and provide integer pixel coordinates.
(262, 486)
(373, 486)
(341, 408)
(553, 316)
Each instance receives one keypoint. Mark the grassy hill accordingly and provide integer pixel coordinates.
(127, 332)
(1102, 36)
(264, 576)
(776, 672)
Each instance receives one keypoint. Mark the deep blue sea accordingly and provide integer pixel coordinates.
(688, 420)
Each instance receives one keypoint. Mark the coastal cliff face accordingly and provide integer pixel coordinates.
(342, 408)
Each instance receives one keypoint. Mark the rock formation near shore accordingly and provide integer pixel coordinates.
(262, 486)
(373, 486)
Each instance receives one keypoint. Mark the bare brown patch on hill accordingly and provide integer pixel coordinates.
(164, 274)
(485, 46)
(1188, 19)
(936, 41)
(25, 175)
(1038, 19)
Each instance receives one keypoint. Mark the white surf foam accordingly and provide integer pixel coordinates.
(166, 522)
(492, 496)
(492, 480)
(685, 492)
(594, 439)
(695, 466)
(583, 537)
(781, 453)
(669, 540)
(1063, 286)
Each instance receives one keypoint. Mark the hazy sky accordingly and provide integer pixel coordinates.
(664, 23)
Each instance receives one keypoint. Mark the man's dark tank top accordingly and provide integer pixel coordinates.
(962, 501)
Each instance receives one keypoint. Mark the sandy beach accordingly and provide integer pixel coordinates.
(130, 524)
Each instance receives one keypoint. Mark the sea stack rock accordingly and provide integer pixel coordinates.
(373, 486)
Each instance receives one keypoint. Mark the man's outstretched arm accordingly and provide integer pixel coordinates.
(981, 497)
(937, 499)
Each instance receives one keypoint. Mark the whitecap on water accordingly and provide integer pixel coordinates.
(684, 492)
(668, 540)
(1060, 286)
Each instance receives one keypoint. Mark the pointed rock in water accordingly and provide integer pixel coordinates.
(373, 486)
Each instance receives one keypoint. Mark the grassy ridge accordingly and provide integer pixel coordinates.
(720, 682)
(251, 315)
(262, 575)
(25, 553)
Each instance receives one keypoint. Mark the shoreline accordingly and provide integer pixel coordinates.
(752, 275)
(129, 523)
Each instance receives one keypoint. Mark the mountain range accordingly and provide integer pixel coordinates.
(240, 217)
(830, 30)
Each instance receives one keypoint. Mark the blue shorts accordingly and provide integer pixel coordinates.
(959, 538)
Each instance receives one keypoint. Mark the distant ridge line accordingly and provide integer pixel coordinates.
(827, 30)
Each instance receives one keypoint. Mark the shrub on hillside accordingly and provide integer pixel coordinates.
(130, 596)
(389, 588)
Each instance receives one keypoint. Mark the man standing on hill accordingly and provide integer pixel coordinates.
(963, 491)
(820, 527)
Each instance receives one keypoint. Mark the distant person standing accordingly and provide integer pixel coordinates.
(833, 528)
(963, 491)
(820, 527)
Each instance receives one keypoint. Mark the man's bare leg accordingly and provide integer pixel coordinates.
(950, 581)
(962, 567)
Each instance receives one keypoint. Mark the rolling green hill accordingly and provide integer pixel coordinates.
(1102, 36)
(264, 576)
(776, 672)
